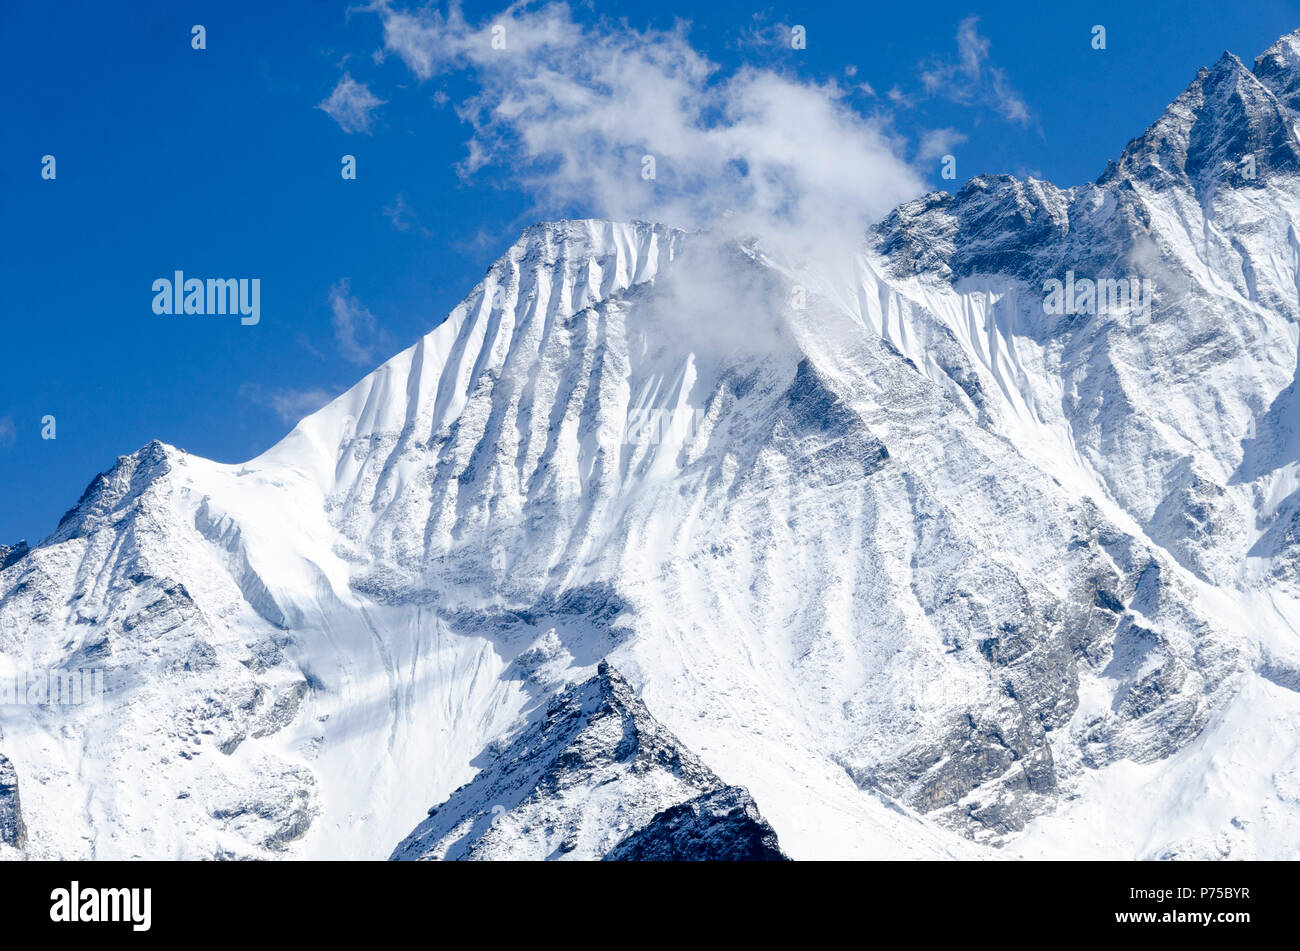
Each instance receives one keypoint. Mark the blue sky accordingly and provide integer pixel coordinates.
(220, 163)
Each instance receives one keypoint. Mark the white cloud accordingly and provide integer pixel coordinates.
(356, 331)
(351, 105)
(939, 142)
(972, 78)
(571, 111)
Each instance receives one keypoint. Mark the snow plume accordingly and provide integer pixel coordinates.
(638, 124)
(719, 305)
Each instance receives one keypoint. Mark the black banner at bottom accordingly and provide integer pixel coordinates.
(302, 900)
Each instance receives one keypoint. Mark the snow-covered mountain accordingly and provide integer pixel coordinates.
(662, 544)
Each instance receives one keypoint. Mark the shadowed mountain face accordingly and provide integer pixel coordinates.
(924, 560)
(719, 826)
(11, 553)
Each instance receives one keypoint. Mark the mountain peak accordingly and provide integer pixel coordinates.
(1278, 68)
(554, 271)
(596, 748)
(115, 490)
(1225, 120)
(12, 553)
(1228, 61)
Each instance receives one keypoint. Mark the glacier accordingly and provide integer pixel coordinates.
(932, 572)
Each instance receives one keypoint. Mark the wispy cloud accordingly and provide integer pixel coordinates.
(351, 105)
(899, 98)
(939, 142)
(289, 405)
(402, 216)
(356, 331)
(358, 338)
(972, 78)
(761, 33)
(8, 432)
